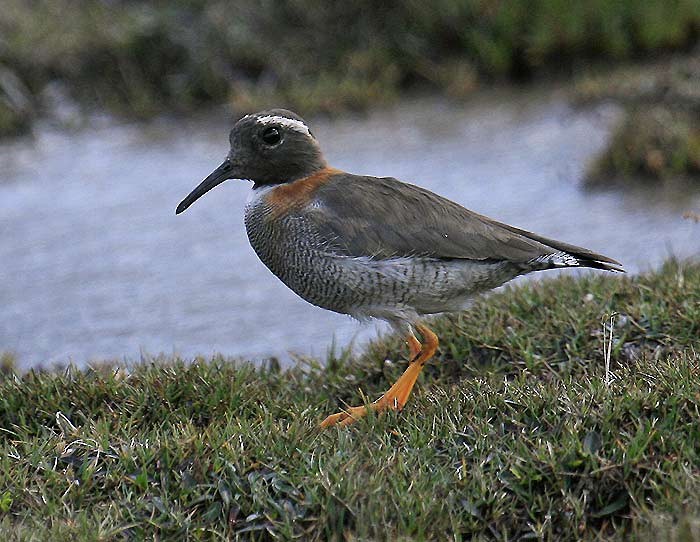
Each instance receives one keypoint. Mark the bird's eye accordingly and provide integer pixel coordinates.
(271, 136)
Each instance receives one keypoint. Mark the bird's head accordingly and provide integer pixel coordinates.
(270, 147)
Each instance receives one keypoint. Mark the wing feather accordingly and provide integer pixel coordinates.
(384, 218)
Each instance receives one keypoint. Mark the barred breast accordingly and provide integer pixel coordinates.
(395, 289)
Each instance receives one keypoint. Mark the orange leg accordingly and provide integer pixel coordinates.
(414, 346)
(395, 398)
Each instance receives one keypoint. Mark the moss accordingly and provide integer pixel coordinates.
(658, 138)
(651, 143)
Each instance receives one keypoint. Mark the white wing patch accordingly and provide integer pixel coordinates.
(293, 124)
(558, 259)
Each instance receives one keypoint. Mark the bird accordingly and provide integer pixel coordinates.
(372, 247)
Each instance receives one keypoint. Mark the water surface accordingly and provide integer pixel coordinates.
(95, 264)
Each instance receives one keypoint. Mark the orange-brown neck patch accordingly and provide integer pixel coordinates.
(296, 194)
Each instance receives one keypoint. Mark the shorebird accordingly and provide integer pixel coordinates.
(372, 247)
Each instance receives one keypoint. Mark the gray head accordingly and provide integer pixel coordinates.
(270, 147)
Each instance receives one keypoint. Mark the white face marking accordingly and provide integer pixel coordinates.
(293, 124)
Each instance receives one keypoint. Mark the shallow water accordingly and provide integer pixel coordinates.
(95, 264)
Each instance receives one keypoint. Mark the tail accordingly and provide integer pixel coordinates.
(561, 258)
(562, 255)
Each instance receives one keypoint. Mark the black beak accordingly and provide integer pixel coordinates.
(219, 175)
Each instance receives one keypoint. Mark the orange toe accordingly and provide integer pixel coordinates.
(397, 396)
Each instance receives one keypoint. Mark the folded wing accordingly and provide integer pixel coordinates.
(384, 218)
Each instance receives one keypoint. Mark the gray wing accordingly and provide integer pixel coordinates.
(384, 218)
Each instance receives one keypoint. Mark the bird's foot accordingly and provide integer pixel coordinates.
(394, 399)
(398, 394)
(352, 414)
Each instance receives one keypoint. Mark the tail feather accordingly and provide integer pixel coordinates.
(560, 259)
(565, 255)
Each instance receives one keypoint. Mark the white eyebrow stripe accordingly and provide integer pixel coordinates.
(284, 121)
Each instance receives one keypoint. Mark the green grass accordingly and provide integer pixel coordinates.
(516, 431)
(144, 58)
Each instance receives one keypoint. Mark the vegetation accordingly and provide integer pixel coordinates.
(658, 138)
(517, 430)
(654, 143)
(143, 58)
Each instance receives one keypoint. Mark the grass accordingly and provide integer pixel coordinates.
(143, 58)
(515, 432)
